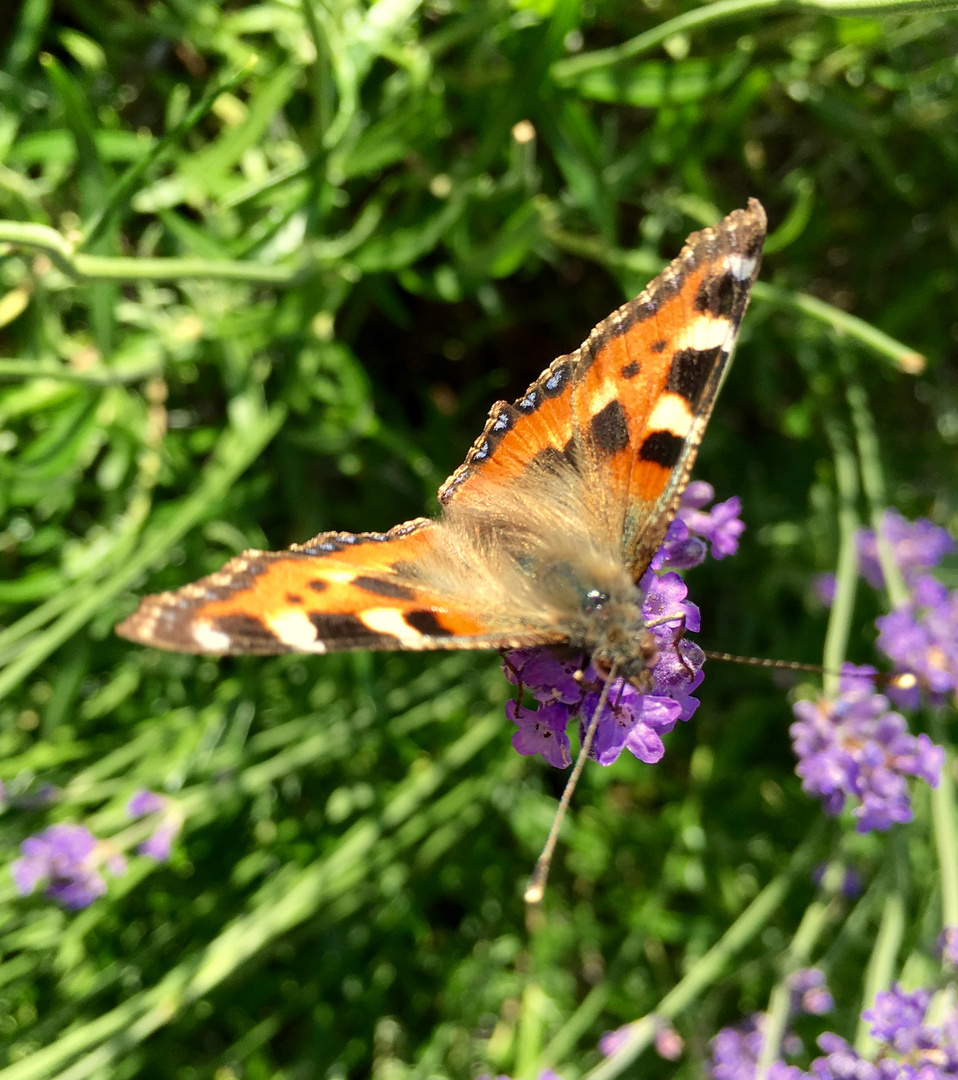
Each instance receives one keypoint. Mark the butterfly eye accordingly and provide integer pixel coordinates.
(594, 599)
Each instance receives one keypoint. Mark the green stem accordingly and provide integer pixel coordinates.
(884, 957)
(82, 267)
(816, 917)
(846, 570)
(873, 481)
(36, 369)
(904, 358)
(943, 818)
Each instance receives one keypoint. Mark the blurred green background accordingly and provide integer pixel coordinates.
(263, 269)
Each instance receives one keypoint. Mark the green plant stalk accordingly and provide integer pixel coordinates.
(943, 796)
(817, 916)
(891, 931)
(873, 482)
(846, 571)
(712, 965)
(36, 369)
(904, 358)
(943, 821)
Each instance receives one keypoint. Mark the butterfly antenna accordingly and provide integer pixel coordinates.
(536, 888)
(758, 661)
(904, 680)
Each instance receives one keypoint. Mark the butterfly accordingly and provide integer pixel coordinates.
(546, 528)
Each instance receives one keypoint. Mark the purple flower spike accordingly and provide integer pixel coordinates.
(921, 637)
(948, 945)
(611, 1042)
(158, 845)
(735, 1050)
(67, 857)
(809, 992)
(143, 802)
(855, 748)
(721, 526)
(897, 1017)
(669, 1044)
(917, 546)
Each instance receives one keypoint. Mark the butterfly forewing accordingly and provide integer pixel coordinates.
(587, 465)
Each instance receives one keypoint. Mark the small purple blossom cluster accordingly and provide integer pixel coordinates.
(909, 1047)
(71, 860)
(855, 747)
(736, 1049)
(568, 687)
(920, 637)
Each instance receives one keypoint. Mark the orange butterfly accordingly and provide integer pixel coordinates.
(547, 526)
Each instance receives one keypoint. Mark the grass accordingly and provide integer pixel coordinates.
(264, 268)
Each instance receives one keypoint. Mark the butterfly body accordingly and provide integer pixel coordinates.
(548, 526)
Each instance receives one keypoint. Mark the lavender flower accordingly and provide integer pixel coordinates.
(855, 748)
(669, 1044)
(721, 526)
(921, 637)
(143, 802)
(68, 858)
(809, 992)
(851, 884)
(159, 843)
(909, 1047)
(735, 1050)
(633, 720)
(917, 546)
(948, 945)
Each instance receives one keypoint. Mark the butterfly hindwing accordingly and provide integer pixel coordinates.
(339, 591)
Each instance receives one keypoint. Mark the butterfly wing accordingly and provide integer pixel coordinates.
(649, 375)
(410, 588)
(585, 469)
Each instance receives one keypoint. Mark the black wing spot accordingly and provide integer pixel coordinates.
(318, 585)
(609, 429)
(718, 296)
(554, 460)
(244, 629)
(690, 372)
(426, 623)
(658, 346)
(662, 447)
(333, 626)
(379, 587)
(293, 598)
(630, 370)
